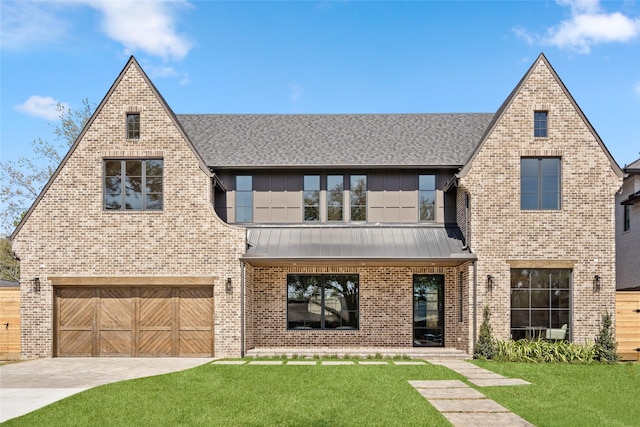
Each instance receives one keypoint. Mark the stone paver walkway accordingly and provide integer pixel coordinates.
(465, 406)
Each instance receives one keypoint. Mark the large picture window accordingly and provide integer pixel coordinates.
(133, 184)
(540, 303)
(539, 183)
(322, 301)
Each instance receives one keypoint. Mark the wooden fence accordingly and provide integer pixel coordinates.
(9, 323)
(628, 324)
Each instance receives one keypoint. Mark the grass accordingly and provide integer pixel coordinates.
(223, 395)
(570, 395)
(227, 395)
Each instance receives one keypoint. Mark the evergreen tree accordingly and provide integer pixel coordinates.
(485, 347)
(605, 342)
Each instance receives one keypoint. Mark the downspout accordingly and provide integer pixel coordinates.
(475, 302)
(242, 323)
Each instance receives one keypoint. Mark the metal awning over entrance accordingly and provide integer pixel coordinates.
(370, 244)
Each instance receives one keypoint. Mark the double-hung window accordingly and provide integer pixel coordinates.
(540, 180)
(133, 184)
(427, 197)
(311, 196)
(244, 198)
(358, 198)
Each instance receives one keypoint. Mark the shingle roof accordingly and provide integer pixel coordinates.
(633, 167)
(400, 243)
(228, 141)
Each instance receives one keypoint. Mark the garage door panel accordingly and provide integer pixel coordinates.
(116, 309)
(75, 343)
(76, 308)
(116, 343)
(155, 307)
(196, 308)
(155, 343)
(195, 343)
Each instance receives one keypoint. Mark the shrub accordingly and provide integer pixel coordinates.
(485, 347)
(540, 351)
(605, 344)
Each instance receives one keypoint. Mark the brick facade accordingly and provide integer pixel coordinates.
(580, 235)
(385, 306)
(69, 234)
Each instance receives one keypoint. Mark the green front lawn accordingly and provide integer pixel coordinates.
(228, 395)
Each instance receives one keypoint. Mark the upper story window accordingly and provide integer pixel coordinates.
(133, 184)
(427, 197)
(358, 198)
(627, 217)
(540, 124)
(311, 196)
(244, 198)
(335, 198)
(133, 126)
(540, 187)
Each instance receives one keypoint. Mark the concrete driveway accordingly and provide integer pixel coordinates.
(30, 385)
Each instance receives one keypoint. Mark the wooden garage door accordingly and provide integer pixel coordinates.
(134, 321)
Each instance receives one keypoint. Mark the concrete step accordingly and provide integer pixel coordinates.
(427, 353)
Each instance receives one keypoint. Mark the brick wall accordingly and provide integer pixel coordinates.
(385, 304)
(581, 232)
(69, 233)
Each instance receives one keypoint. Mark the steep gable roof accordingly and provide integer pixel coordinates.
(131, 63)
(633, 167)
(505, 105)
(356, 140)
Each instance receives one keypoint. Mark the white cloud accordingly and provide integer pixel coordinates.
(27, 24)
(587, 26)
(166, 71)
(636, 88)
(44, 107)
(148, 26)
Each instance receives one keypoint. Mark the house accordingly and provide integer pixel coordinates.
(628, 264)
(192, 235)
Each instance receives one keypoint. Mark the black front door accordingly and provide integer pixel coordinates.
(428, 310)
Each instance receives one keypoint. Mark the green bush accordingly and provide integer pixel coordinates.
(540, 351)
(605, 346)
(486, 345)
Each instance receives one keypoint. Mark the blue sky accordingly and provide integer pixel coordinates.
(318, 57)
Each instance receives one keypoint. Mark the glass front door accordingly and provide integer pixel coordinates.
(428, 310)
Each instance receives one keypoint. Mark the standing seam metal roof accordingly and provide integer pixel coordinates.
(230, 140)
(356, 242)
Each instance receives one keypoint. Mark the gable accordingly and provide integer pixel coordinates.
(541, 89)
(131, 92)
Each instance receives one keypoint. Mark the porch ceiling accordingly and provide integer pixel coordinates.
(365, 245)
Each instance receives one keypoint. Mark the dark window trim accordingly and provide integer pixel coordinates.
(236, 205)
(540, 192)
(627, 218)
(133, 128)
(123, 176)
(541, 124)
(322, 321)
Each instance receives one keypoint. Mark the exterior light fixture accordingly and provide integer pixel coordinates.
(36, 284)
(489, 282)
(228, 287)
(596, 283)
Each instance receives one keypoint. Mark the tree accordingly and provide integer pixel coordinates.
(9, 267)
(605, 342)
(22, 180)
(485, 347)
